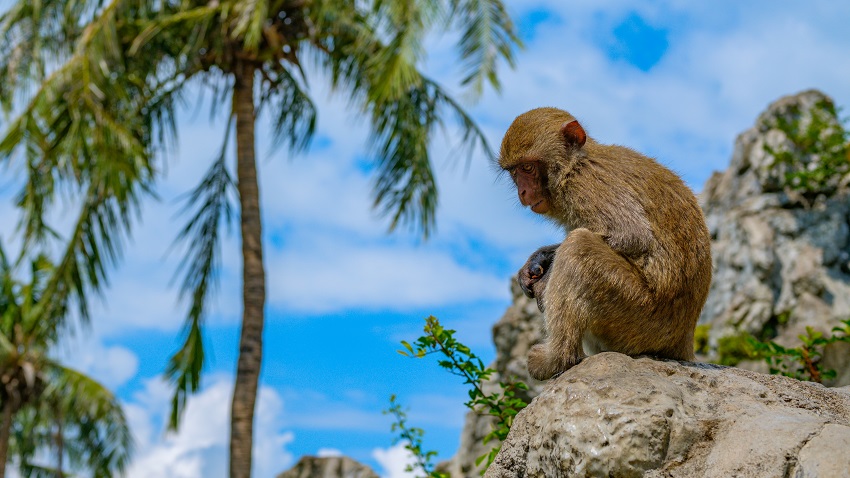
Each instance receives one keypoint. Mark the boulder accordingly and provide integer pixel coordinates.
(328, 467)
(617, 416)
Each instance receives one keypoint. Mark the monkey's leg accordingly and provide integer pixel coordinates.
(588, 282)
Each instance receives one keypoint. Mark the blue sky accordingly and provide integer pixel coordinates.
(674, 79)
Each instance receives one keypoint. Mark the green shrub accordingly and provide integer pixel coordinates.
(412, 437)
(701, 338)
(732, 349)
(820, 154)
(802, 362)
(459, 360)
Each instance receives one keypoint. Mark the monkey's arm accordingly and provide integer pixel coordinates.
(627, 229)
(533, 275)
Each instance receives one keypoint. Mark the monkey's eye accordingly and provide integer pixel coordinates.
(527, 167)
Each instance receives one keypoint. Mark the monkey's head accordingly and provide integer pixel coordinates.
(538, 146)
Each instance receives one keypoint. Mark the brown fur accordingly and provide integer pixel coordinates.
(633, 273)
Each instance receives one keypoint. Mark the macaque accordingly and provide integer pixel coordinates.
(634, 270)
(532, 276)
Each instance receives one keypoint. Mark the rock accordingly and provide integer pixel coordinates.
(617, 416)
(328, 467)
(781, 261)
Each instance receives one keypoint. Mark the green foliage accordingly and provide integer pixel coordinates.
(732, 349)
(461, 361)
(56, 412)
(412, 437)
(820, 154)
(701, 338)
(772, 326)
(802, 362)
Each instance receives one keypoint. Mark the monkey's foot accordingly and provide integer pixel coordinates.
(542, 366)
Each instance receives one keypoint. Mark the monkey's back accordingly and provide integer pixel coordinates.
(648, 214)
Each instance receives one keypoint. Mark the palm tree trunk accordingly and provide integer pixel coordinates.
(5, 432)
(253, 278)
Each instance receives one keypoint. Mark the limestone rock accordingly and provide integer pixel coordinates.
(781, 261)
(617, 416)
(328, 467)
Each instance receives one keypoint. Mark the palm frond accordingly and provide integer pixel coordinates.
(211, 202)
(392, 69)
(184, 370)
(251, 16)
(292, 110)
(95, 430)
(168, 26)
(56, 402)
(405, 189)
(87, 134)
(65, 142)
(342, 41)
(36, 35)
(488, 34)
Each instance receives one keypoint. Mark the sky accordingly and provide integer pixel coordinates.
(674, 79)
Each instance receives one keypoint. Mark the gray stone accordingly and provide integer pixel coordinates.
(328, 467)
(613, 415)
(780, 260)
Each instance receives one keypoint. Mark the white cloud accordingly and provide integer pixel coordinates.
(393, 461)
(723, 67)
(111, 366)
(327, 275)
(199, 448)
(328, 452)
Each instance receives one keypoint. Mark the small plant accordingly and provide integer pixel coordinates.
(459, 360)
(732, 349)
(802, 362)
(824, 144)
(413, 438)
(701, 338)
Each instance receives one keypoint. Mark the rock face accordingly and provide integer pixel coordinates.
(781, 260)
(328, 467)
(613, 415)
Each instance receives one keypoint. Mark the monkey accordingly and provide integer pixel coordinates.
(633, 272)
(533, 275)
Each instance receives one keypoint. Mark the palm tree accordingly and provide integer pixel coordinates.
(45, 405)
(109, 72)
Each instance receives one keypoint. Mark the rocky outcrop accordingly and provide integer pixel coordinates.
(781, 258)
(328, 467)
(613, 415)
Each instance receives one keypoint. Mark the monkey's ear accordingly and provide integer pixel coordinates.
(574, 134)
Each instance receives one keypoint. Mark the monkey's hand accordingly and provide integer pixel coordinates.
(532, 276)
